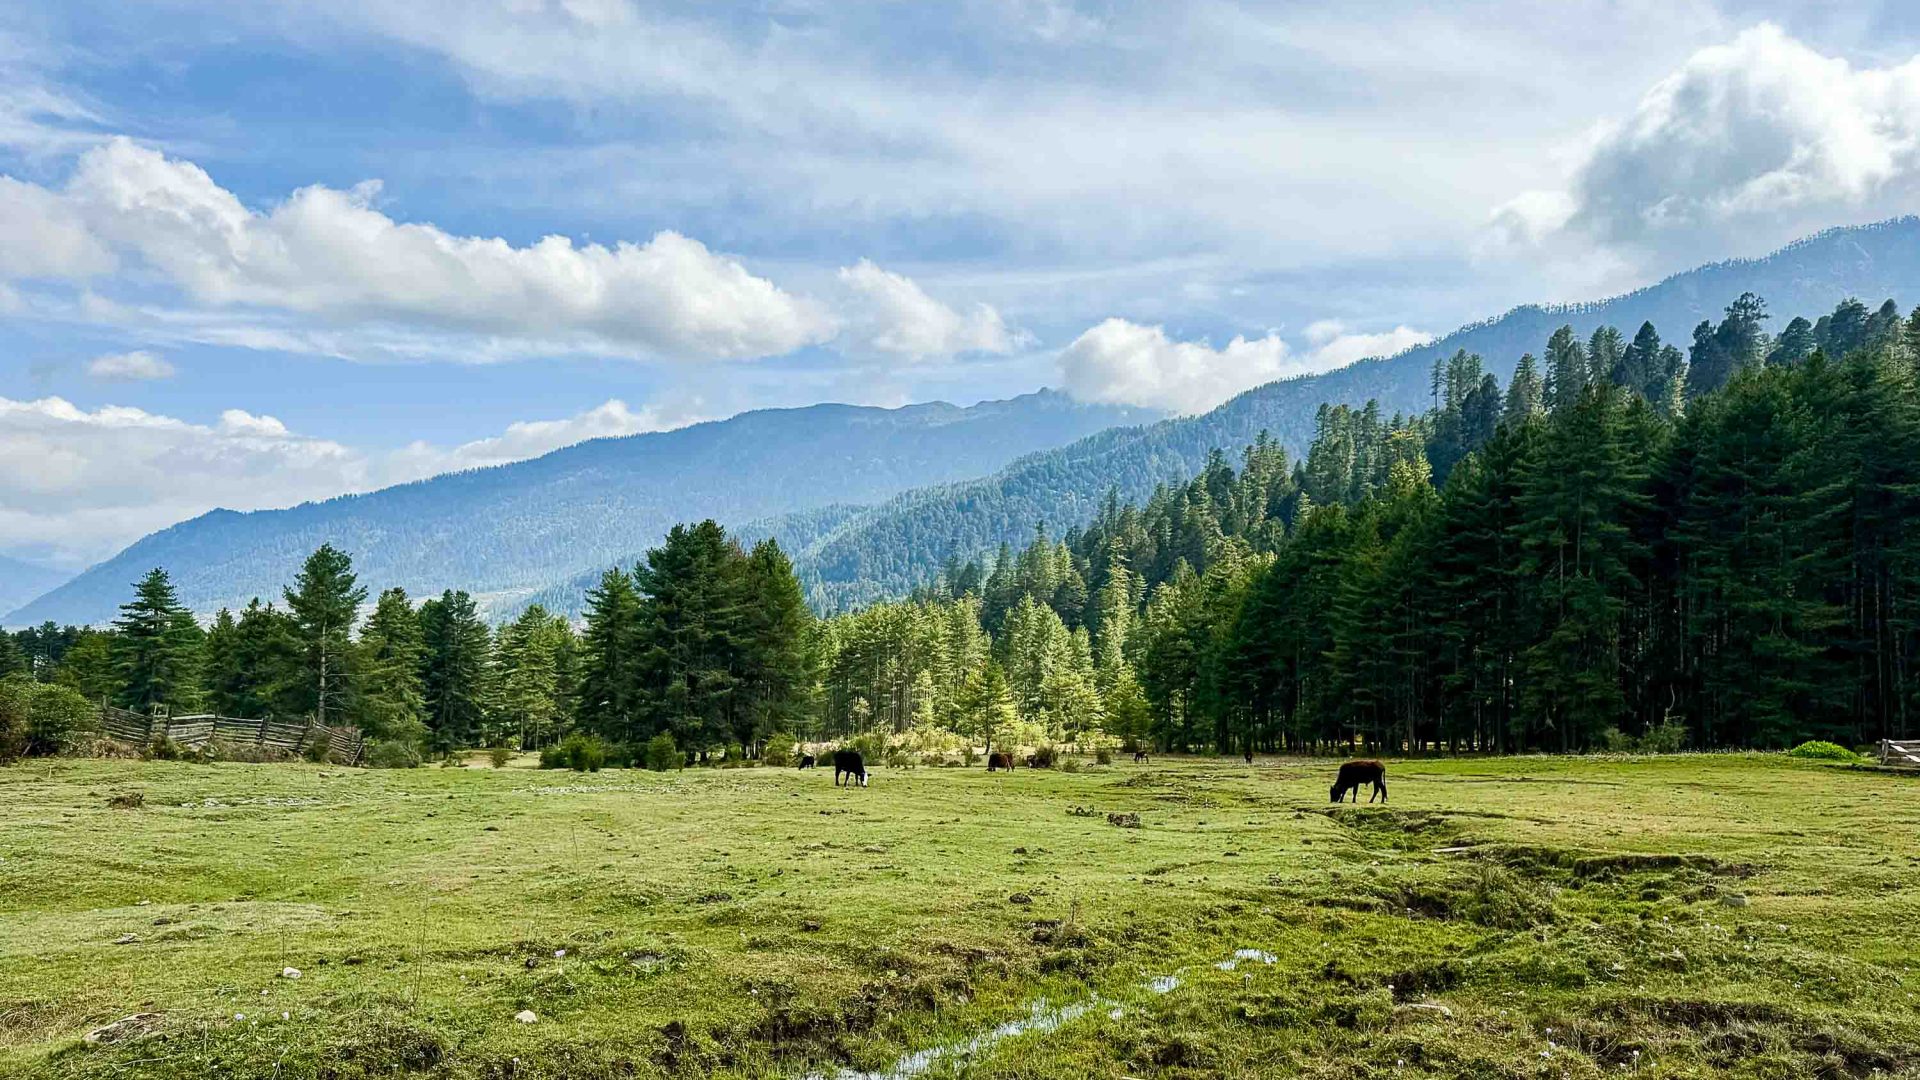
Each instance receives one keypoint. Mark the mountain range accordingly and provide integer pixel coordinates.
(872, 501)
(507, 531)
(22, 581)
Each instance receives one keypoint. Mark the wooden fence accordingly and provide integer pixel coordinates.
(346, 744)
(1900, 752)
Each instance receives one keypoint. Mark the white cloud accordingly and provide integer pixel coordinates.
(84, 482)
(330, 254)
(42, 236)
(136, 366)
(531, 438)
(1746, 145)
(889, 313)
(1124, 362)
(81, 484)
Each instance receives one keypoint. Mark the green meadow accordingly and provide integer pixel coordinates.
(1694, 915)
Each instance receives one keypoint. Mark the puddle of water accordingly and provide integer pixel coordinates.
(1239, 955)
(1041, 1018)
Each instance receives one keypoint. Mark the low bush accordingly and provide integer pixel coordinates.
(662, 754)
(1103, 756)
(38, 718)
(392, 754)
(1043, 757)
(778, 750)
(1821, 750)
(319, 750)
(161, 748)
(584, 753)
(499, 756)
(1068, 764)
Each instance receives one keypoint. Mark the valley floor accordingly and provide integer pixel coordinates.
(1532, 917)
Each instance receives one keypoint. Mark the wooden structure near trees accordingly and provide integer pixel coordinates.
(1904, 752)
(345, 744)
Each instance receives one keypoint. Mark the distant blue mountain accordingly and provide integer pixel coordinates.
(22, 581)
(889, 549)
(505, 532)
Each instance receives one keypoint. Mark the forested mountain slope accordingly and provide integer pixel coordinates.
(509, 530)
(891, 548)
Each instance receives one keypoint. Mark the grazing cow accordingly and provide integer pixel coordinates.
(1030, 760)
(1355, 773)
(999, 760)
(1141, 756)
(1249, 753)
(806, 761)
(852, 764)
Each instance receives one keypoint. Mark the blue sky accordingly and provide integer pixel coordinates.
(254, 253)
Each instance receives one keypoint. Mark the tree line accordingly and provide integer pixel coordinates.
(1630, 542)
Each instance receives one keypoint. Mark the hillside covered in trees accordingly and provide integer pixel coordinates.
(903, 543)
(1629, 543)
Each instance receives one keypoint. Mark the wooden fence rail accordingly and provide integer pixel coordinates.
(1900, 752)
(345, 744)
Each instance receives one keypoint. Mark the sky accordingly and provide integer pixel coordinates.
(262, 251)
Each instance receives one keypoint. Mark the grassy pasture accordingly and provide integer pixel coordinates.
(1535, 917)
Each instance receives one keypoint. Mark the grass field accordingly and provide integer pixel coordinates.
(1536, 917)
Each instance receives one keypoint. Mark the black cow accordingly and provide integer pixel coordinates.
(1140, 756)
(850, 763)
(806, 761)
(1355, 773)
(998, 760)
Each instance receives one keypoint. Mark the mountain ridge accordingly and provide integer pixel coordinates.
(510, 529)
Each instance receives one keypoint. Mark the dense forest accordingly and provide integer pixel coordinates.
(1630, 543)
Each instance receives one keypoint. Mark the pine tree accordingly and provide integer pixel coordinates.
(1566, 370)
(392, 699)
(156, 647)
(1524, 393)
(610, 694)
(324, 602)
(455, 648)
(778, 663)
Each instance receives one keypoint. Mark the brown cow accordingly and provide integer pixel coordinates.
(1355, 773)
(998, 760)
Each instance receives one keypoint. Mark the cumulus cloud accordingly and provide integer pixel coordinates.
(83, 483)
(331, 254)
(136, 366)
(1127, 363)
(890, 314)
(1747, 144)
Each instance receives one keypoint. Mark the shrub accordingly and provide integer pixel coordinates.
(127, 800)
(1067, 764)
(872, 747)
(392, 754)
(1821, 750)
(553, 757)
(1667, 737)
(38, 718)
(161, 748)
(970, 755)
(499, 756)
(318, 750)
(1043, 757)
(899, 757)
(1615, 741)
(584, 753)
(1103, 756)
(662, 754)
(778, 750)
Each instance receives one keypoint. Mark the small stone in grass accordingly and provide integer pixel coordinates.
(1019, 898)
(526, 1016)
(290, 973)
